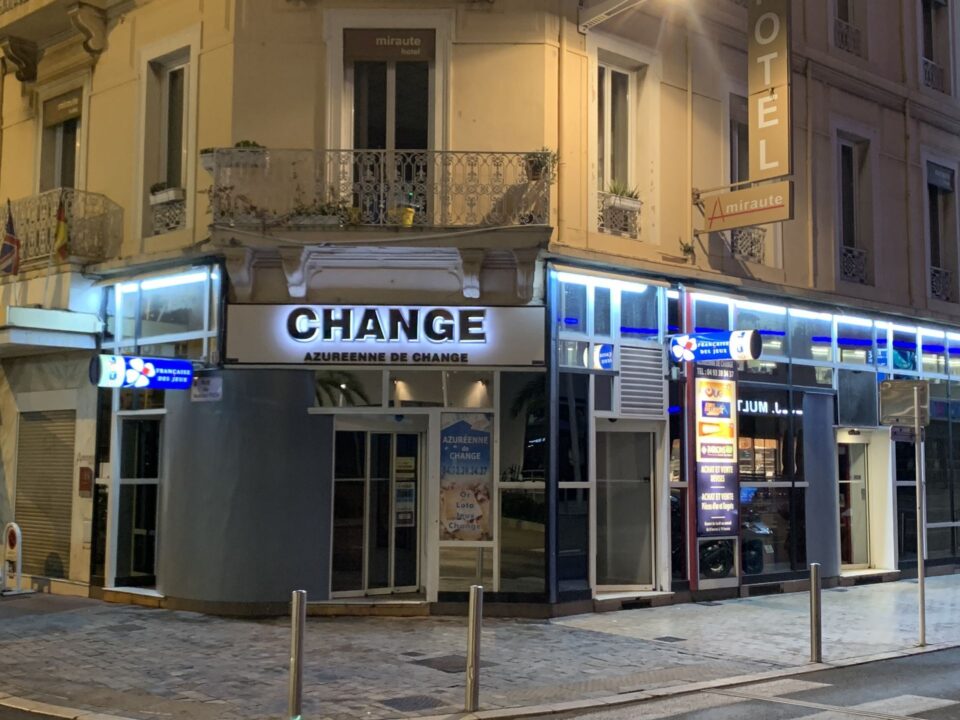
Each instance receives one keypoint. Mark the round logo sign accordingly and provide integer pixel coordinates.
(11, 539)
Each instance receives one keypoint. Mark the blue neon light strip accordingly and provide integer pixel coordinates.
(854, 342)
(702, 329)
(674, 410)
(773, 333)
(638, 330)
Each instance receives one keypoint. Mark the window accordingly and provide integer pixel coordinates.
(60, 139)
(942, 231)
(613, 127)
(847, 24)
(173, 117)
(845, 10)
(739, 144)
(854, 217)
(935, 44)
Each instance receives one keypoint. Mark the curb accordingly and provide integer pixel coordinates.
(608, 701)
(61, 712)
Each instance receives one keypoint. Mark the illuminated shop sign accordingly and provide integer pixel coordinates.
(718, 504)
(737, 345)
(120, 371)
(384, 335)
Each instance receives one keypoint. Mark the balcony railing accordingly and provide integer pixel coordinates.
(6, 5)
(618, 215)
(853, 265)
(934, 76)
(94, 226)
(846, 36)
(263, 188)
(941, 284)
(749, 243)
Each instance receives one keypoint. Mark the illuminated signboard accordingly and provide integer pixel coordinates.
(384, 335)
(120, 371)
(718, 506)
(737, 345)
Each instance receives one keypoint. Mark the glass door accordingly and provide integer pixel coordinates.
(376, 513)
(854, 517)
(624, 510)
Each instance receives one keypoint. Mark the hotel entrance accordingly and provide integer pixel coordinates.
(378, 480)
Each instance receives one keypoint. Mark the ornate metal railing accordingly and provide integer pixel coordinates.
(264, 188)
(749, 243)
(853, 264)
(6, 5)
(94, 226)
(169, 216)
(618, 215)
(934, 76)
(941, 284)
(846, 36)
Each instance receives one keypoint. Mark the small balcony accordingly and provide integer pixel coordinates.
(94, 227)
(618, 215)
(853, 265)
(941, 284)
(846, 37)
(749, 243)
(406, 190)
(934, 76)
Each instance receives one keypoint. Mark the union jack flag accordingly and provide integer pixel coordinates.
(10, 247)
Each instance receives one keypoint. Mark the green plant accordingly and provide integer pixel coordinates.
(207, 150)
(158, 187)
(686, 248)
(542, 162)
(247, 144)
(615, 187)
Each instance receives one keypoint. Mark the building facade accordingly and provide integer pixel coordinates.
(426, 258)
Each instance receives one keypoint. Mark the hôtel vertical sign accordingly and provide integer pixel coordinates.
(768, 83)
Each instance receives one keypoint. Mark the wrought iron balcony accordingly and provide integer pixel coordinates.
(618, 215)
(6, 5)
(749, 243)
(934, 76)
(853, 265)
(941, 284)
(332, 189)
(846, 36)
(94, 226)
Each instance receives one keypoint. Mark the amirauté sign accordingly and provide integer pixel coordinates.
(768, 84)
(757, 205)
(384, 335)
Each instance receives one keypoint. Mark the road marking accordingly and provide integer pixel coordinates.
(905, 704)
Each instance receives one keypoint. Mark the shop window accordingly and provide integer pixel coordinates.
(148, 399)
(639, 313)
(574, 353)
(601, 311)
(574, 414)
(717, 558)
(811, 335)
(416, 389)
(572, 313)
(855, 342)
(678, 534)
(942, 232)
(937, 472)
(348, 388)
(523, 522)
(763, 420)
(906, 523)
(711, 315)
(469, 389)
(523, 422)
(462, 567)
(60, 141)
(677, 429)
(172, 309)
(798, 470)
(573, 535)
(812, 376)
(939, 542)
(857, 397)
(933, 352)
(765, 527)
(765, 371)
(350, 455)
(603, 393)
(674, 313)
(769, 320)
(904, 352)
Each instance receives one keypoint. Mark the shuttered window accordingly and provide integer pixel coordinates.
(45, 490)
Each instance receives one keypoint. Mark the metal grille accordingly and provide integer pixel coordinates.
(265, 188)
(169, 216)
(934, 76)
(846, 36)
(749, 243)
(941, 284)
(94, 225)
(853, 265)
(643, 387)
(618, 215)
(45, 490)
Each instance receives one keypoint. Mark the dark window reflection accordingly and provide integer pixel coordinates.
(573, 453)
(573, 531)
(678, 535)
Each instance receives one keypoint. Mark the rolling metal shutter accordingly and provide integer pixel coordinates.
(643, 387)
(45, 490)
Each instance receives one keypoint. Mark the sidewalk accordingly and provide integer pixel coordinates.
(148, 664)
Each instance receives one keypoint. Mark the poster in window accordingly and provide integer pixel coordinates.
(466, 476)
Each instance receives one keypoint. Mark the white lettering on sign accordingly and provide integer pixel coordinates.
(769, 88)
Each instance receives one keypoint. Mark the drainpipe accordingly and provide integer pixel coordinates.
(689, 141)
(811, 213)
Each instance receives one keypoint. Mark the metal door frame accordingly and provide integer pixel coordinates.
(866, 502)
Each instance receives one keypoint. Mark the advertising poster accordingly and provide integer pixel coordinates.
(717, 451)
(466, 476)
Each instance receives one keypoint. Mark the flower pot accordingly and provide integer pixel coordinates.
(625, 203)
(168, 195)
(535, 168)
(206, 160)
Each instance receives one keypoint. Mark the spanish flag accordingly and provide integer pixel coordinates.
(61, 240)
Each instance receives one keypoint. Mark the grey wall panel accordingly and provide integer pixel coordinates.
(245, 503)
(820, 470)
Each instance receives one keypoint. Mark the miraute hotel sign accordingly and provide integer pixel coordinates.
(384, 335)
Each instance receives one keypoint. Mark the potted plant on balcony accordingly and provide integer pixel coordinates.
(541, 163)
(622, 196)
(161, 193)
(245, 153)
(620, 209)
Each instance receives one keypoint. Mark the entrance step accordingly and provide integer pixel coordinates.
(357, 607)
(849, 578)
(613, 601)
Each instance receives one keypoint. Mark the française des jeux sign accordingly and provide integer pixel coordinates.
(384, 335)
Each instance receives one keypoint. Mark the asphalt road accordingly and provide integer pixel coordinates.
(919, 686)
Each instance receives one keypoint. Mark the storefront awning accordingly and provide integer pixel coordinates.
(29, 331)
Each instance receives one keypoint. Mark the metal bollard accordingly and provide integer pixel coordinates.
(816, 649)
(298, 618)
(474, 626)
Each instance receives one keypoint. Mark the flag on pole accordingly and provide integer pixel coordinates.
(61, 241)
(10, 247)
